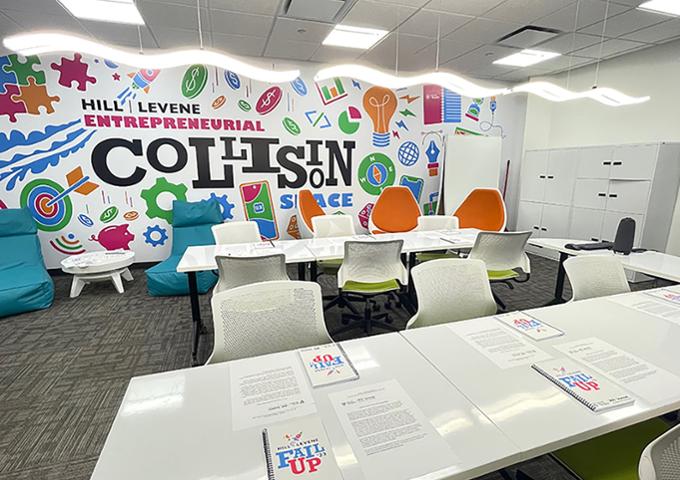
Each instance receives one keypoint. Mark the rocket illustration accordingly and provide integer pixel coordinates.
(143, 78)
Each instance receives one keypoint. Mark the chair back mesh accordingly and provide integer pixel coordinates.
(236, 232)
(267, 317)
(238, 271)
(595, 275)
(333, 226)
(437, 222)
(450, 290)
(372, 262)
(502, 250)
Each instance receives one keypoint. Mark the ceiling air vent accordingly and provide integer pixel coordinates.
(318, 10)
(529, 36)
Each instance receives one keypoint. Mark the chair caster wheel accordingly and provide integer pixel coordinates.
(388, 320)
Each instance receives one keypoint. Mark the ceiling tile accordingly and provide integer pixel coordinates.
(448, 50)
(480, 58)
(328, 54)
(657, 33)
(37, 7)
(121, 34)
(263, 7)
(569, 42)
(410, 3)
(175, 37)
(288, 29)
(289, 49)
(482, 30)
(464, 7)
(609, 48)
(424, 23)
(376, 15)
(563, 62)
(239, 44)
(385, 52)
(525, 11)
(589, 12)
(170, 16)
(628, 3)
(45, 21)
(625, 23)
(232, 23)
(514, 76)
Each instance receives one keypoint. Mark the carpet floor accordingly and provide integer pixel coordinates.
(64, 370)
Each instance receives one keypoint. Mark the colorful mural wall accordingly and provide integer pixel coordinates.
(98, 151)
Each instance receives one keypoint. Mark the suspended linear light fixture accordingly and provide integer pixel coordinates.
(49, 42)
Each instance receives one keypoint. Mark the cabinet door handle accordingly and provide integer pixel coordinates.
(543, 229)
(551, 176)
(613, 195)
(601, 194)
(541, 176)
(617, 163)
(594, 239)
(606, 163)
(535, 227)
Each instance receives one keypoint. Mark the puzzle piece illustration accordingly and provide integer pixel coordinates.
(6, 77)
(9, 105)
(24, 70)
(73, 71)
(36, 96)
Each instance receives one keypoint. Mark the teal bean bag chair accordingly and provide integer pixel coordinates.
(191, 223)
(25, 284)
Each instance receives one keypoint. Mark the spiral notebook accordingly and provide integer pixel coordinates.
(595, 392)
(327, 364)
(299, 449)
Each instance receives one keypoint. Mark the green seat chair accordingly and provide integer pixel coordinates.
(428, 223)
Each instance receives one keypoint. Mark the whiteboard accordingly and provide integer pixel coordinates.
(471, 162)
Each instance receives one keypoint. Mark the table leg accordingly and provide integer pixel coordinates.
(302, 266)
(559, 282)
(411, 289)
(76, 286)
(197, 325)
(312, 272)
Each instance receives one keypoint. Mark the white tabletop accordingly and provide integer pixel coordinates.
(97, 262)
(333, 248)
(535, 414)
(199, 258)
(177, 425)
(196, 259)
(655, 264)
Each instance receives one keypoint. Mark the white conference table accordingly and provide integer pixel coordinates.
(535, 414)
(178, 425)
(202, 258)
(654, 264)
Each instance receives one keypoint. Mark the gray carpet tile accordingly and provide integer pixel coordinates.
(64, 370)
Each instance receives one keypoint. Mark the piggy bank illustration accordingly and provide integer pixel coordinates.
(114, 237)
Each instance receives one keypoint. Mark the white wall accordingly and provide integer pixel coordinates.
(654, 72)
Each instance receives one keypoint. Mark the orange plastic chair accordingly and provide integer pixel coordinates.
(308, 208)
(396, 210)
(483, 209)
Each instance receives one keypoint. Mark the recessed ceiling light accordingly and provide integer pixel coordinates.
(116, 11)
(666, 7)
(526, 58)
(354, 37)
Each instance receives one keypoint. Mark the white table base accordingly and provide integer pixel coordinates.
(116, 277)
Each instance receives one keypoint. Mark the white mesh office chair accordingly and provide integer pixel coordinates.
(267, 317)
(333, 226)
(504, 256)
(326, 226)
(449, 290)
(660, 460)
(369, 269)
(236, 232)
(238, 271)
(595, 276)
(437, 222)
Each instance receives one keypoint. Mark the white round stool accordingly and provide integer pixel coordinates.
(98, 266)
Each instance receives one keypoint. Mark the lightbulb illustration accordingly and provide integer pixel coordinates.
(380, 104)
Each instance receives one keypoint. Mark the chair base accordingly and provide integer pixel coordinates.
(340, 301)
(369, 319)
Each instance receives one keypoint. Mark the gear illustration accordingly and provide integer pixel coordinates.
(225, 205)
(150, 196)
(157, 231)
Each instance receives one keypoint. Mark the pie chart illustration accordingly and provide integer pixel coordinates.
(348, 121)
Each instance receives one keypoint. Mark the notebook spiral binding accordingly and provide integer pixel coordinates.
(267, 455)
(578, 397)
